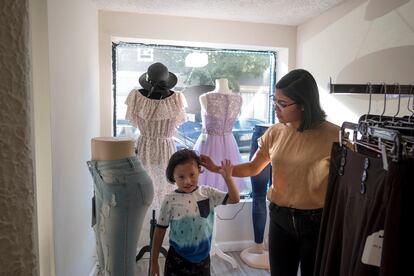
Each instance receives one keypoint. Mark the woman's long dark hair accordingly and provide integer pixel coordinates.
(300, 86)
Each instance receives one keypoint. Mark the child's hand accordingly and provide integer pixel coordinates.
(226, 169)
(155, 270)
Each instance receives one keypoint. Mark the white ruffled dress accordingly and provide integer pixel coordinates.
(157, 121)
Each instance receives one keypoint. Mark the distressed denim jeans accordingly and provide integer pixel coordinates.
(123, 193)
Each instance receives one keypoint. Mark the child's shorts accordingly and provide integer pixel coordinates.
(175, 265)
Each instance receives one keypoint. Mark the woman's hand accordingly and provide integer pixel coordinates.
(226, 169)
(208, 163)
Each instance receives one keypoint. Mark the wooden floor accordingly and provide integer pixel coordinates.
(219, 267)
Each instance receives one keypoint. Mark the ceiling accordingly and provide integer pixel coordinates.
(284, 12)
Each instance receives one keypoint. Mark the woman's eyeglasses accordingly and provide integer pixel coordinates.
(282, 105)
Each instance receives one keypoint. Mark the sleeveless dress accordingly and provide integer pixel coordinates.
(157, 121)
(222, 111)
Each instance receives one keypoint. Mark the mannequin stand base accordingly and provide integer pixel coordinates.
(215, 250)
(147, 248)
(255, 260)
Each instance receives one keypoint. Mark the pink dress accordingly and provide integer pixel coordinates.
(222, 111)
(157, 121)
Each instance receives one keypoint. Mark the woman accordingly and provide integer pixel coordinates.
(298, 148)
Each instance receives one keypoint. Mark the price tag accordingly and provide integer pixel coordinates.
(373, 249)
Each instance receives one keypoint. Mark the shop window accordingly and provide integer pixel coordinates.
(250, 74)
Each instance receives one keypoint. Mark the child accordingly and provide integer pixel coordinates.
(189, 210)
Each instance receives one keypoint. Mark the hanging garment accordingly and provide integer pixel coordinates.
(364, 211)
(157, 121)
(222, 111)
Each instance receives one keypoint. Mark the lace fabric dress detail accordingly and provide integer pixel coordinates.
(157, 121)
(222, 111)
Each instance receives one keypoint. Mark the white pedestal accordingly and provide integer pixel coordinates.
(256, 257)
(216, 250)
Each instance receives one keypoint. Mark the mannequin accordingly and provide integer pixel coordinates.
(156, 110)
(123, 192)
(256, 256)
(222, 86)
(219, 109)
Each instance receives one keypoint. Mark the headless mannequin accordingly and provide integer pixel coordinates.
(254, 256)
(104, 152)
(222, 86)
(111, 148)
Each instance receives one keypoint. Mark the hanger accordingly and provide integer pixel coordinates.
(385, 101)
(399, 100)
(383, 141)
(401, 124)
(369, 88)
(371, 119)
(408, 103)
(344, 135)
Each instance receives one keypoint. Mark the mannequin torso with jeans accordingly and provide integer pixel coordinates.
(123, 192)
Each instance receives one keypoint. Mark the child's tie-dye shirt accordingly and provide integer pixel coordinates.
(191, 216)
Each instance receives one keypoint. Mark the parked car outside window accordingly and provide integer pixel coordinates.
(188, 133)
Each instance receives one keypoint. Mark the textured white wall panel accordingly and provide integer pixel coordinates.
(18, 242)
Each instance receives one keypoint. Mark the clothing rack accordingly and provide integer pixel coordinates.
(389, 89)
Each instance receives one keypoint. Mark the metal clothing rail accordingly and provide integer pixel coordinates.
(368, 88)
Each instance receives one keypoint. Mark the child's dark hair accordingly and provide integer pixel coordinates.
(180, 157)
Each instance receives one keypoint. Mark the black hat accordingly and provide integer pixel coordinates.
(157, 76)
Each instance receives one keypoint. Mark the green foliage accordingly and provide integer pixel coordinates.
(231, 65)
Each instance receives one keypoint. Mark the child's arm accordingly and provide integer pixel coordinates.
(226, 170)
(159, 234)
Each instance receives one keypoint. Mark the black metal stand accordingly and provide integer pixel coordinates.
(389, 89)
(147, 248)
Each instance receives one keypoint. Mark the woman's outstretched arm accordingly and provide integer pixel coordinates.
(251, 168)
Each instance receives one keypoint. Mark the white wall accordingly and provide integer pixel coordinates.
(74, 106)
(357, 42)
(192, 32)
(43, 164)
